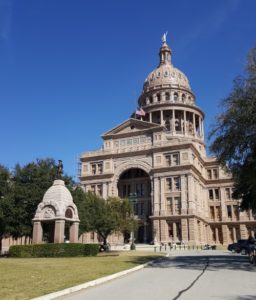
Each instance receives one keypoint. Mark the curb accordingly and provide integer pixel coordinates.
(93, 282)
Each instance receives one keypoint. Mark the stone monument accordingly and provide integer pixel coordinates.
(56, 208)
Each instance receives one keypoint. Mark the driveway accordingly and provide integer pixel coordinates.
(189, 276)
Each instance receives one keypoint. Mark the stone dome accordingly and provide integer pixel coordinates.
(57, 203)
(58, 192)
(166, 75)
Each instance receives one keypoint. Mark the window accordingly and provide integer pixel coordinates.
(169, 204)
(228, 193)
(229, 211)
(167, 96)
(140, 189)
(168, 160)
(97, 168)
(236, 211)
(212, 215)
(212, 173)
(93, 189)
(93, 169)
(175, 97)
(177, 205)
(99, 189)
(142, 210)
(218, 213)
(209, 174)
(158, 97)
(176, 183)
(169, 184)
(175, 159)
(183, 97)
(210, 194)
(215, 174)
(216, 192)
(172, 159)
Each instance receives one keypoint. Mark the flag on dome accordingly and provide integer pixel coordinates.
(140, 112)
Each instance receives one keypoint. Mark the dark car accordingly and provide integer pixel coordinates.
(242, 246)
(252, 253)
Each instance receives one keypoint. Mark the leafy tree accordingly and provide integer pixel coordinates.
(103, 216)
(26, 189)
(6, 208)
(234, 134)
(80, 199)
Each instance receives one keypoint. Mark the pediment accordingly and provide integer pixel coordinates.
(131, 126)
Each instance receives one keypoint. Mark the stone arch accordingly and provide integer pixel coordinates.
(133, 180)
(131, 165)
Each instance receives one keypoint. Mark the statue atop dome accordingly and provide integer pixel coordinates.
(59, 169)
(164, 37)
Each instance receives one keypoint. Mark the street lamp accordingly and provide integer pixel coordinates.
(133, 200)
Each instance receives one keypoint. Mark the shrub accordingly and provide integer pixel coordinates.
(54, 250)
(91, 249)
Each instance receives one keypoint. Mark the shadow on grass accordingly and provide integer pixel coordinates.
(215, 263)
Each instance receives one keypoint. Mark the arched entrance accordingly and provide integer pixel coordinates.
(134, 184)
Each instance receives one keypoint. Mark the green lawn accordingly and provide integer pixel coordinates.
(32, 277)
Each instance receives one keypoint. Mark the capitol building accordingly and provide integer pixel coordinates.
(157, 159)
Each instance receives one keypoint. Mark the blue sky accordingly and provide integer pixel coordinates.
(72, 70)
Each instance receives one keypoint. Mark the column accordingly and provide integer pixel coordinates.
(184, 230)
(164, 231)
(37, 233)
(243, 231)
(104, 190)
(185, 123)
(59, 231)
(161, 117)
(184, 208)
(202, 128)
(145, 232)
(191, 204)
(73, 232)
(150, 117)
(225, 234)
(194, 124)
(192, 231)
(174, 230)
(156, 196)
(173, 120)
(156, 231)
(234, 235)
(217, 235)
(162, 197)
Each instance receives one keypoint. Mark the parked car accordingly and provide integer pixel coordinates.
(242, 246)
(252, 253)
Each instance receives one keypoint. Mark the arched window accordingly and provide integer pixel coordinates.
(175, 96)
(158, 97)
(151, 99)
(167, 96)
(183, 97)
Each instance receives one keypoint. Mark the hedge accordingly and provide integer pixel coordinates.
(54, 250)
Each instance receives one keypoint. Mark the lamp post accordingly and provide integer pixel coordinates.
(133, 200)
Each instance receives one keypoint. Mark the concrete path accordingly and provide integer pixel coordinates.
(189, 276)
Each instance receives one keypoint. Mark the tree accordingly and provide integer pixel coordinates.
(6, 207)
(103, 216)
(234, 135)
(26, 189)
